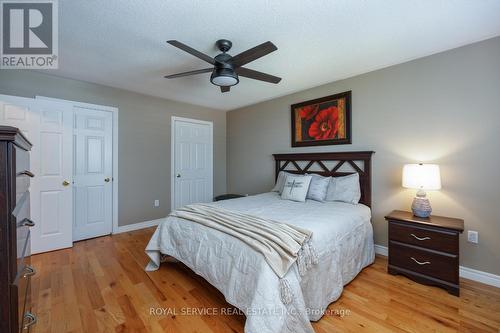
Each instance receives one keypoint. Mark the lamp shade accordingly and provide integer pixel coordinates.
(422, 176)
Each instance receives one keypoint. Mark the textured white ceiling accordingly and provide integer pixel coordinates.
(121, 43)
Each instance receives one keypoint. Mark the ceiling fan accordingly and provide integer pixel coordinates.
(226, 68)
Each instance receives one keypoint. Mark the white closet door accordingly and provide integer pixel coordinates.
(192, 165)
(93, 173)
(54, 209)
(48, 125)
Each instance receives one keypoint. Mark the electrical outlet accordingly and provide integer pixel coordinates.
(157, 203)
(472, 236)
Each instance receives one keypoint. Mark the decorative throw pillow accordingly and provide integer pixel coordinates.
(296, 188)
(318, 188)
(345, 189)
(280, 182)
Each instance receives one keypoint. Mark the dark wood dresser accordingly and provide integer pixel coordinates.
(425, 249)
(15, 223)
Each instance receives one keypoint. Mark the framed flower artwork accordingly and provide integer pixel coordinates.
(323, 121)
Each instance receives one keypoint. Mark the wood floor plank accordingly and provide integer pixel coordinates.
(100, 285)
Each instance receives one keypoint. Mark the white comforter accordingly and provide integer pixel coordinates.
(342, 237)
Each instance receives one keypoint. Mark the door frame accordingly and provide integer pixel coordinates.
(114, 112)
(172, 154)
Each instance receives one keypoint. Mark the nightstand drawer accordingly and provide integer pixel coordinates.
(426, 237)
(440, 266)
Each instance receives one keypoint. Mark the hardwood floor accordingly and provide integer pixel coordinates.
(99, 285)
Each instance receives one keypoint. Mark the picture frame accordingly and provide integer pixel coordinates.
(322, 121)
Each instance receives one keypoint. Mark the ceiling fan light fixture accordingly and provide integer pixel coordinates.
(224, 77)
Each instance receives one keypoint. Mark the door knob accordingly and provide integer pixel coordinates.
(65, 183)
(178, 175)
(107, 180)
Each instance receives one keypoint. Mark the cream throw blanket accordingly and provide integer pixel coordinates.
(281, 244)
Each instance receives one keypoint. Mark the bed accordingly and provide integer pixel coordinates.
(342, 237)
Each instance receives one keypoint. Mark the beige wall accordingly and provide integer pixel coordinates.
(144, 137)
(443, 109)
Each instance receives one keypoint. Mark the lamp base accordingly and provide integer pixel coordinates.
(421, 206)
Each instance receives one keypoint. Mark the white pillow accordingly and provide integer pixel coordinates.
(318, 188)
(280, 182)
(296, 188)
(345, 189)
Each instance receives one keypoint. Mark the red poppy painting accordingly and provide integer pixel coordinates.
(323, 121)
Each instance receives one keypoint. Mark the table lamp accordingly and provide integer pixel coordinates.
(421, 177)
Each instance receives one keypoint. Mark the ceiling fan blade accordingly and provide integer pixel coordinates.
(191, 51)
(256, 75)
(224, 88)
(198, 71)
(253, 54)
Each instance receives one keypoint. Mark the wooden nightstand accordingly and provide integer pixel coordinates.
(425, 249)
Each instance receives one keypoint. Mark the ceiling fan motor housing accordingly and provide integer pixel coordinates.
(223, 73)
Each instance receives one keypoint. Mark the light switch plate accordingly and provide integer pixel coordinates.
(472, 236)
(157, 203)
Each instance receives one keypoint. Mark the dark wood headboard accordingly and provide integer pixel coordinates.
(356, 161)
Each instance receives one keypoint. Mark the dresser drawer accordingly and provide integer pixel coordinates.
(22, 208)
(22, 296)
(23, 173)
(430, 263)
(21, 288)
(25, 318)
(426, 237)
(22, 184)
(23, 181)
(23, 249)
(22, 159)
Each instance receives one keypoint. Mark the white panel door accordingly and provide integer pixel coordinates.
(54, 170)
(192, 162)
(48, 125)
(93, 173)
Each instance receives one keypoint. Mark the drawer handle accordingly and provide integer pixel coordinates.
(30, 320)
(26, 222)
(420, 238)
(26, 173)
(419, 262)
(29, 271)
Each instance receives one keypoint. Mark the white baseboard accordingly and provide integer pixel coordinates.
(480, 276)
(138, 226)
(382, 250)
(465, 272)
